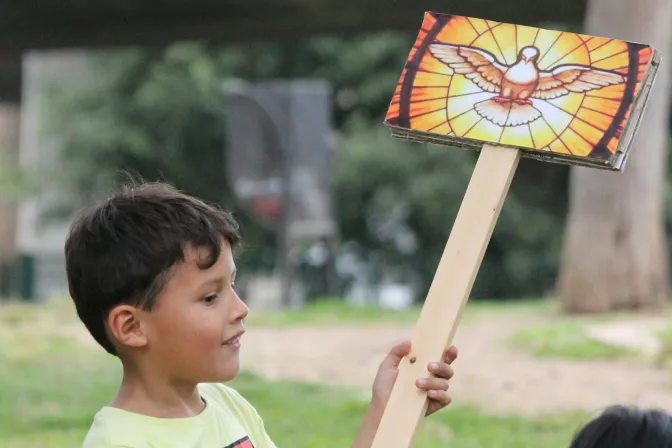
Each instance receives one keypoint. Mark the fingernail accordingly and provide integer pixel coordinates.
(422, 382)
(434, 365)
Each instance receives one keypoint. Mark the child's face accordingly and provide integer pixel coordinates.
(192, 332)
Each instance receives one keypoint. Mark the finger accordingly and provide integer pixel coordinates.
(438, 399)
(432, 384)
(396, 354)
(441, 369)
(450, 354)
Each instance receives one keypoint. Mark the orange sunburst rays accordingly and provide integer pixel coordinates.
(444, 101)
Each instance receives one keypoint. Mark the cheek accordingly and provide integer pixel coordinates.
(192, 333)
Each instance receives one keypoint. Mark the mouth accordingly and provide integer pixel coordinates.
(235, 340)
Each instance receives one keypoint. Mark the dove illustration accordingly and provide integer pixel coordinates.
(515, 85)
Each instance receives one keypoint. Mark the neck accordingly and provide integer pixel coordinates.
(149, 393)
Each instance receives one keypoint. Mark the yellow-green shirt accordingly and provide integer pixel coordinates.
(228, 421)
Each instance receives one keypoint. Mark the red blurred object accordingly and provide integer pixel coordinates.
(268, 207)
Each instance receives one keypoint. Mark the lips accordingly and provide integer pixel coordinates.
(235, 340)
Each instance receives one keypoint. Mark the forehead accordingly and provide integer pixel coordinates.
(195, 256)
(192, 271)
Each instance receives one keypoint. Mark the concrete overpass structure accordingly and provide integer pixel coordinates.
(45, 24)
(79, 24)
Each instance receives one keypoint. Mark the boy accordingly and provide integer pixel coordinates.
(152, 275)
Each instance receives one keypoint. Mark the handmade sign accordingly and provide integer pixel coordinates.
(508, 91)
(555, 95)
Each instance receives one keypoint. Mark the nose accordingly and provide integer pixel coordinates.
(240, 309)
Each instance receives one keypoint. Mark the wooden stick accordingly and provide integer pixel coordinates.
(448, 292)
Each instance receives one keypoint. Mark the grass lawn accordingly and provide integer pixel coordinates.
(332, 312)
(565, 339)
(50, 400)
(50, 388)
(664, 358)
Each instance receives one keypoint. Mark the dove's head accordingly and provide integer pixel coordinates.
(528, 54)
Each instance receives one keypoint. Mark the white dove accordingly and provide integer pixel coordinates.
(517, 83)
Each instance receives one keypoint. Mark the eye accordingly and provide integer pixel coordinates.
(209, 300)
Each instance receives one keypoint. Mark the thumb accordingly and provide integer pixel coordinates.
(396, 354)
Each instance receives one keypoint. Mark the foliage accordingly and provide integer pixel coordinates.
(143, 112)
(159, 114)
(14, 181)
(412, 194)
(155, 115)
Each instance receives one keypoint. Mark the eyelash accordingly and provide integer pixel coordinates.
(215, 296)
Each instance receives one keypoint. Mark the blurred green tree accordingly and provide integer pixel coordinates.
(159, 114)
(13, 181)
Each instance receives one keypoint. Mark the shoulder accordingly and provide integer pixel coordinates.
(222, 395)
(231, 401)
(103, 431)
(118, 428)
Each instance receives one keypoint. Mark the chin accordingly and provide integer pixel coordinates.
(223, 369)
(228, 373)
(221, 376)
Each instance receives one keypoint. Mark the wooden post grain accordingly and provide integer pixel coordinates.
(449, 292)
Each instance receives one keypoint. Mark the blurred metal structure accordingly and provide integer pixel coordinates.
(278, 160)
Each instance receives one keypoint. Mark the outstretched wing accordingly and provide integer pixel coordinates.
(480, 66)
(573, 78)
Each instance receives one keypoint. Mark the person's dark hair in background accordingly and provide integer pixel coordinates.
(626, 427)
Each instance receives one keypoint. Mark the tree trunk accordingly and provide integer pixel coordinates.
(615, 248)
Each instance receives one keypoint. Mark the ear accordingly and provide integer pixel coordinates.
(125, 325)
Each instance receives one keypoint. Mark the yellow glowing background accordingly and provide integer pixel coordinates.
(442, 102)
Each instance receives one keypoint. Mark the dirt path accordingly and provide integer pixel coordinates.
(495, 378)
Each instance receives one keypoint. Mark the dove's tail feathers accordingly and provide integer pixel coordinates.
(508, 113)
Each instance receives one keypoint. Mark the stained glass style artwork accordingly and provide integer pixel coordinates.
(553, 94)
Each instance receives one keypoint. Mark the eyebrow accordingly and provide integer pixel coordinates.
(218, 280)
